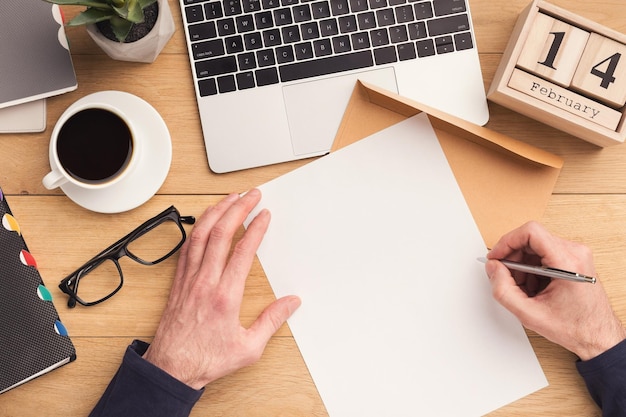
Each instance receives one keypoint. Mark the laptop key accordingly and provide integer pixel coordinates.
(444, 44)
(398, 34)
(282, 17)
(322, 47)
(194, 14)
(445, 7)
(329, 27)
(234, 44)
(270, 4)
(265, 58)
(208, 49)
(406, 51)
(251, 5)
(358, 5)
(360, 41)
(247, 61)
(463, 41)
(245, 80)
(379, 37)
(417, 30)
(425, 48)
(385, 17)
(325, 66)
(226, 27)
(213, 10)
(226, 84)
(320, 9)
(302, 13)
(347, 24)
(341, 44)
(366, 20)
(377, 4)
(284, 54)
(271, 38)
(266, 76)
(303, 50)
(217, 66)
(202, 31)
(385, 55)
(404, 14)
(207, 87)
(264, 20)
(423, 10)
(450, 24)
(339, 7)
(232, 7)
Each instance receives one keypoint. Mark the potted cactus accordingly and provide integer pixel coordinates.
(127, 30)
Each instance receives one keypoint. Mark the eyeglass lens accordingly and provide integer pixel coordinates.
(102, 279)
(99, 281)
(158, 243)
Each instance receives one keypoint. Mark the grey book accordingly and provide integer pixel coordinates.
(35, 60)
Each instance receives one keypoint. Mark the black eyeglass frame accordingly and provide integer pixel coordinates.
(69, 284)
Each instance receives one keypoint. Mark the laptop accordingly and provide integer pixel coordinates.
(273, 77)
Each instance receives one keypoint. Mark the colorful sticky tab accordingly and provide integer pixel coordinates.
(28, 259)
(44, 293)
(11, 224)
(60, 328)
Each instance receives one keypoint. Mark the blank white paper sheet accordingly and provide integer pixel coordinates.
(397, 318)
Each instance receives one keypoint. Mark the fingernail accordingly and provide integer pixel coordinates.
(232, 197)
(490, 268)
(254, 192)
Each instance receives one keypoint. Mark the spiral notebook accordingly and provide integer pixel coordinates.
(33, 341)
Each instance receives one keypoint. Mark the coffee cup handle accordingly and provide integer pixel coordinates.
(53, 179)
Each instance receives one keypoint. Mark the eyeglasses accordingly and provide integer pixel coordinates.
(154, 241)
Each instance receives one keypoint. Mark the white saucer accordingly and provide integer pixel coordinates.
(148, 176)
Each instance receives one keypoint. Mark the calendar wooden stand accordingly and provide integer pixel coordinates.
(567, 72)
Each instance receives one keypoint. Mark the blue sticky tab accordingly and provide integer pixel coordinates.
(60, 328)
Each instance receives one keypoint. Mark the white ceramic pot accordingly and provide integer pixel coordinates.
(145, 49)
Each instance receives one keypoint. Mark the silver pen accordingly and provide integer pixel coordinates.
(545, 271)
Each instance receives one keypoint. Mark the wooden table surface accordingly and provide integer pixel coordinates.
(588, 205)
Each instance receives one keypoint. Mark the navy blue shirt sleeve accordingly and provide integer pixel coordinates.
(605, 376)
(140, 389)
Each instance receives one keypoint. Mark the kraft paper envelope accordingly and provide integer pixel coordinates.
(505, 182)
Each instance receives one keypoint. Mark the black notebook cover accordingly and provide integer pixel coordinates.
(33, 340)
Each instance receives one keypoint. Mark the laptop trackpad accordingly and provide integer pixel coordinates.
(315, 108)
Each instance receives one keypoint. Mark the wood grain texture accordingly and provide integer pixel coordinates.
(588, 205)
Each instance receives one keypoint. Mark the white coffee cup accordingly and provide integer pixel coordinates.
(93, 146)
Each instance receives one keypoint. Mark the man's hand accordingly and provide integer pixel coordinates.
(577, 316)
(200, 338)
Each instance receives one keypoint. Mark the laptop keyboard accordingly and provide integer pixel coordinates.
(242, 44)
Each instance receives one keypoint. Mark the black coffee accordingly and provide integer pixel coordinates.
(94, 145)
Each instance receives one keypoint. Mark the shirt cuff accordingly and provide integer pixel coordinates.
(604, 361)
(157, 376)
(141, 389)
(605, 377)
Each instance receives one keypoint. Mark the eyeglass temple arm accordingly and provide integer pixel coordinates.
(188, 219)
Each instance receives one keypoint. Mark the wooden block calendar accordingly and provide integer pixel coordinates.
(565, 71)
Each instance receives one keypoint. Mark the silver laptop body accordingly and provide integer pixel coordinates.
(262, 103)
